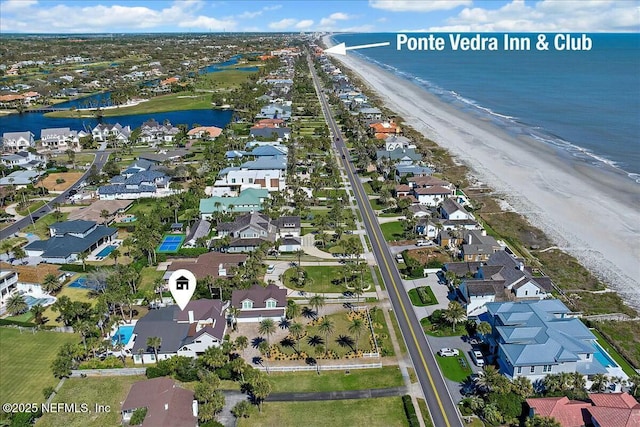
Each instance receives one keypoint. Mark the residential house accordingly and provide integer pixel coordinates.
(289, 233)
(432, 196)
(148, 183)
(248, 232)
(602, 410)
(21, 178)
(59, 139)
(426, 228)
(30, 277)
(164, 156)
(69, 239)
(108, 132)
(382, 130)
(17, 141)
(537, 338)
(94, 211)
(199, 229)
(395, 142)
(452, 210)
(249, 200)
(239, 178)
(275, 111)
(189, 332)
(370, 113)
(153, 132)
(8, 284)
(204, 132)
(502, 277)
(270, 132)
(212, 264)
(23, 159)
(167, 404)
(477, 246)
(259, 303)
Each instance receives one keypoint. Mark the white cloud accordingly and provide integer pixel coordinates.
(304, 24)
(339, 16)
(101, 18)
(274, 7)
(13, 5)
(329, 23)
(250, 15)
(283, 24)
(417, 6)
(547, 15)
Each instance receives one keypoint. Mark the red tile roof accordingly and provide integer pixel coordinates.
(569, 413)
(615, 410)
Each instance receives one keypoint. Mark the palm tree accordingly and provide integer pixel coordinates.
(492, 414)
(296, 329)
(154, 343)
(317, 302)
(484, 328)
(599, 383)
(454, 314)
(326, 327)
(522, 387)
(51, 284)
(356, 327)
(37, 311)
(538, 421)
(267, 327)
(114, 255)
(19, 253)
(293, 309)
(241, 343)
(488, 378)
(16, 305)
(82, 256)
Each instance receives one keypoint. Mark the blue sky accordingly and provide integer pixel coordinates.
(131, 16)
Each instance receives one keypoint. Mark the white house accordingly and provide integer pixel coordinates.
(107, 132)
(8, 284)
(432, 196)
(452, 210)
(258, 303)
(23, 159)
(240, 179)
(59, 138)
(17, 141)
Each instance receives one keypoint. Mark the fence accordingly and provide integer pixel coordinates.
(373, 333)
(119, 372)
(611, 316)
(319, 367)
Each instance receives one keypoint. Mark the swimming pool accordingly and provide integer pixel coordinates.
(129, 219)
(106, 251)
(80, 282)
(601, 356)
(33, 301)
(122, 335)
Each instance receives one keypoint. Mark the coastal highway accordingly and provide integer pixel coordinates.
(99, 160)
(441, 406)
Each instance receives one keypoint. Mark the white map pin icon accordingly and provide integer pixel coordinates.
(182, 284)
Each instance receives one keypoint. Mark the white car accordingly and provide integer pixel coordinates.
(399, 258)
(478, 359)
(422, 243)
(448, 352)
(271, 269)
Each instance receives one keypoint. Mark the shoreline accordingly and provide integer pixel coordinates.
(591, 213)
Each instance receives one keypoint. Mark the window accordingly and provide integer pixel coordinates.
(546, 368)
(533, 369)
(271, 304)
(519, 369)
(247, 305)
(588, 356)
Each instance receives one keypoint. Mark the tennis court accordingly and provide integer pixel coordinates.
(171, 243)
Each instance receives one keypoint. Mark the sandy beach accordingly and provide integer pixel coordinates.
(591, 213)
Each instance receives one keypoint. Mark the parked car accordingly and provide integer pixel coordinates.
(478, 359)
(448, 352)
(422, 243)
(399, 258)
(271, 269)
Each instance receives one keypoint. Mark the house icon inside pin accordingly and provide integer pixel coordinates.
(182, 283)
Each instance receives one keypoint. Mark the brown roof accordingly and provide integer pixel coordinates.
(208, 264)
(259, 295)
(156, 395)
(31, 273)
(92, 212)
(402, 188)
(202, 309)
(427, 181)
(214, 131)
(436, 189)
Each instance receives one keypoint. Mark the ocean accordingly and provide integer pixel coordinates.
(586, 104)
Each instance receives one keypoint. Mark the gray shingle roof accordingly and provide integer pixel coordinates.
(63, 247)
(160, 323)
(78, 226)
(259, 295)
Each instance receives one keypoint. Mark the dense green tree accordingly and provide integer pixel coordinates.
(16, 305)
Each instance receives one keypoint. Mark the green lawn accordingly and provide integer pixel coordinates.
(37, 204)
(381, 329)
(173, 102)
(396, 329)
(41, 226)
(392, 231)
(223, 80)
(383, 412)
(147, 277)
(111, 391)
(358, 379)
(75, 294)
(321, 279)
(417, 301)
(425, 412)
(454, 368)
(25, 363)
(626, 367)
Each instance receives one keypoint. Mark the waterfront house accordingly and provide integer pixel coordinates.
(8, 284)
(537, 338)
(259, 303)
(69, 239)
(153, 132)
(204, 132)
(59, 139)
(17, 141)
(113, 133)
(189, 332)
(452, 210)
(477, 246)
(382, 130)
(166, 404)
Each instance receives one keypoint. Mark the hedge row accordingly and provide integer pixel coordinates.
(425, 298)
(410, 411)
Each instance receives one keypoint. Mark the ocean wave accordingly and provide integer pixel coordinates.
(508, 123)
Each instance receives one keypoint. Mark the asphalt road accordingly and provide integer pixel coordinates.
(99, 160)
(441, 406)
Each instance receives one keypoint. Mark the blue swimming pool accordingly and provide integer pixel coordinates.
(43, 301)
(106, 251)
(122, 335)
(129, 219)
(80, 282)
(601, 356)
